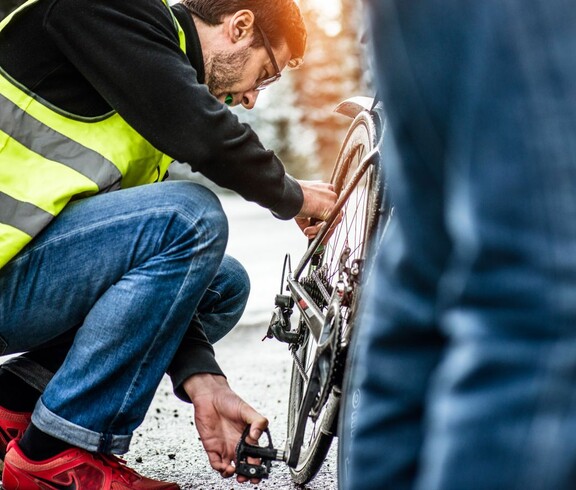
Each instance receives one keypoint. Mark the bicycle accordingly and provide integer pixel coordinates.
(325, 287)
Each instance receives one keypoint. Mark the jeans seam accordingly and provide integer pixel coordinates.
(217, 293)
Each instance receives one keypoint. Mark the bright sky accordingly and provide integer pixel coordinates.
(329, 11)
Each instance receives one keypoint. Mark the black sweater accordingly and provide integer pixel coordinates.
(89, 57)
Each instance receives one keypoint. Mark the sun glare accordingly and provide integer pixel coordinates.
(329, 15)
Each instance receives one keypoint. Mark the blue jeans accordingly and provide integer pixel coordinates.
(134, 269)
(464, 370)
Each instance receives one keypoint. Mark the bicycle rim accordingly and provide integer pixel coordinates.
(354, 232)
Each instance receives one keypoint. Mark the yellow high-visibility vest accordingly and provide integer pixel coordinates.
(49, 156)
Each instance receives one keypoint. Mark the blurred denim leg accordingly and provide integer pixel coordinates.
(465, 363)
(132, 266)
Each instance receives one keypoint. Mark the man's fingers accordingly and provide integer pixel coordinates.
(258, 423)
(255, 433)
(319, 198)
(257, 427)
(217, 464)
(224, 467)
(243, 479)
(253, 418)
(228, 471)
(302, 223)
(312, 231)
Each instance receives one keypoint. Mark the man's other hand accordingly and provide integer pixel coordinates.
(319, 200)
(221, 416)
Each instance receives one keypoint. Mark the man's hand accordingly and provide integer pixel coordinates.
(319, 199)
(221, 416)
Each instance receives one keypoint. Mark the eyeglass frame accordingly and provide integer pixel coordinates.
(269, 80)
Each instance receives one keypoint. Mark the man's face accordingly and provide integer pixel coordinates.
(239, 70)
(225, 70)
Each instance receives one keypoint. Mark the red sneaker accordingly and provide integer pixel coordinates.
(73, 469)
(12, 426)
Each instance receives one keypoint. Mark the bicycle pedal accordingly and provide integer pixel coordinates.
(265, 454)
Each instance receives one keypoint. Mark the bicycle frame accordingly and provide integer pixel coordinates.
(311, 314)
(324, 286)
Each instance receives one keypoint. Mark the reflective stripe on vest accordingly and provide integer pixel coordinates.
(45, 141)
(49, 157)
(22, 215)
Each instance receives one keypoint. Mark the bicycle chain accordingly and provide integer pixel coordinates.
(320, 290)
(317, 286)
(336, 367)
(298, 362)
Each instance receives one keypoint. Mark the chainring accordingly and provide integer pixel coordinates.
(327, 357)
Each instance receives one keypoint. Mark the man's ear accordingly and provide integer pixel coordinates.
(241, 25)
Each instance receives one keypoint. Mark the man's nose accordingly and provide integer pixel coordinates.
(249, 99)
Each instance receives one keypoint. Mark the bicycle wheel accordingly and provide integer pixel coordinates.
(321, 374)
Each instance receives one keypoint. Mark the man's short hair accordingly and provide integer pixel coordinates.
(281, 20)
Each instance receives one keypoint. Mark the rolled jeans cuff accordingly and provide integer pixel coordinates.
(78, 436)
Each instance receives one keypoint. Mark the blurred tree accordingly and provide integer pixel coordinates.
(332, 72)
(278, 122)
(354, 32)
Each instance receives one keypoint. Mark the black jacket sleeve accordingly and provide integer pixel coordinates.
(195, 355)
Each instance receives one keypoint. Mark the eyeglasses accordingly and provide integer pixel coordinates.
(267, 81)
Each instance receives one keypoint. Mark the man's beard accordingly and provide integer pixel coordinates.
(224, 70)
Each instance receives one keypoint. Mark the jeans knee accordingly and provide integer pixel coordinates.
(212, 215)
(240, 283)
(202, 209)
(225, 300)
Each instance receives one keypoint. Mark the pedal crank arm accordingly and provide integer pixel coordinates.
(295, 444)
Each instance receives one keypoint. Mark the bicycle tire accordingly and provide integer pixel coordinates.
(361, 214)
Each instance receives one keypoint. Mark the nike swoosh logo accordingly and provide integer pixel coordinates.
(50, 485)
